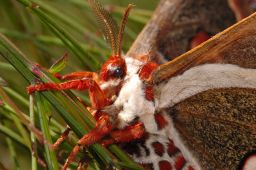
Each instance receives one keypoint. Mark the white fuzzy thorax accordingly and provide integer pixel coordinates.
(202, 78)
(132, 99)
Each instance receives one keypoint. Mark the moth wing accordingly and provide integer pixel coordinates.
(217, 126)
(210, 94)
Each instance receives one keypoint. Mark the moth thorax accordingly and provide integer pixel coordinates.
(129, 101)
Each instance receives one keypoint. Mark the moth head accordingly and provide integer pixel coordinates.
(114, 68)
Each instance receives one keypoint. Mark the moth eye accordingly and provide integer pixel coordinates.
(117, 72)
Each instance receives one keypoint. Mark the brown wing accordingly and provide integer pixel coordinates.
(235, 45)
(218, 126)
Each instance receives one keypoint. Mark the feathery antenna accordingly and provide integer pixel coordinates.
(122, 27)
(108, 26)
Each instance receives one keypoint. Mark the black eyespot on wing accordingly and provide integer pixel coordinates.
(248, 162)
(117, 72)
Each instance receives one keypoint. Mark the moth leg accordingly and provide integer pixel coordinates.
(63, 136)
(125, 135)
(102, 128)
(82, 165)
(97, 96)
(80, 75)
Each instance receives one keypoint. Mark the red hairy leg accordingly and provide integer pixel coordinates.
(125, 135)
(82, 165)
(63, 136)
(102, 128)
(81, 74)
(78, 75)
(97, 96)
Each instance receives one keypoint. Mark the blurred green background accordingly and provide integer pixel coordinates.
(38, 43)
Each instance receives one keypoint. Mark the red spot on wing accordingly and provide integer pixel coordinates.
(165, 165)
(199, 38)
(190, 168)
(180, 162)
(149, 93)
(158, 148)
(148, 166)
(172, 149)
(160, 120)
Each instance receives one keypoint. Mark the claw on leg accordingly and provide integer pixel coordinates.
(71, 157)
(63, 136)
